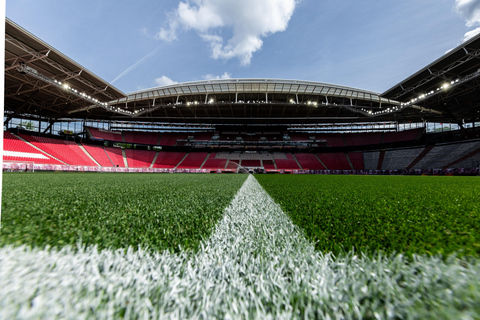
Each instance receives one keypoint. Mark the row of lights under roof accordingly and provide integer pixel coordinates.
(310, 103)
(119, 110)
(67, 87)
(196, 102)
(388, 110)
(189, 103)
(115, 109)
(425, 95)
(419, 98)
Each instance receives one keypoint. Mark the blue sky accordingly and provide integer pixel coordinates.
(140, 44)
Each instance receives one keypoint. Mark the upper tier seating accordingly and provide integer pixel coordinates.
(250, 163)
(66, 151)
(248, 156)
(105, 135)
(250, 136)
(333, 139)
(147, 138)
(99, 154)
(170, 138)
(17, 150)
(364, 138)
(230, 136)
(300, 136)
(202, 136)
(139, 158)
(407, 135)
(357, 139)
(193, 160)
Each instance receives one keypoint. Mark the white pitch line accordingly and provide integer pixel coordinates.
(256, 264)
(253, 223)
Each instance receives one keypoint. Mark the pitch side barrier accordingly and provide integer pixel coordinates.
(47, 167)
(417, 172)
(24, 167)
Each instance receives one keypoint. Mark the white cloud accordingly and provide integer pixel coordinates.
(468, 10)
(210, 76)
(248, 20)
(470, 34)
(164, 81)
(169, 34)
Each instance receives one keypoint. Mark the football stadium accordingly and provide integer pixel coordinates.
(238, 198)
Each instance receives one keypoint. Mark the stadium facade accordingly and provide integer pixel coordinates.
(60, 115)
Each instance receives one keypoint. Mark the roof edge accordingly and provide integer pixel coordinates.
(250, 80)
(444, 56)
(62, 55)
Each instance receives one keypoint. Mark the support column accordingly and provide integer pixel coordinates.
(49, 127)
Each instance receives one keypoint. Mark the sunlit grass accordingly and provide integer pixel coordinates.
(255, 265)
(403, 214)
(155, 211)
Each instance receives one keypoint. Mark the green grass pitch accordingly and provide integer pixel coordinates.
(188, 246)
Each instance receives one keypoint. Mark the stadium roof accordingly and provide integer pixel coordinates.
(41, 81)
(37, 76)
(446, 89)
(252, 101)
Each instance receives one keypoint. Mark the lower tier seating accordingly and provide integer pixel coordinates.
(42, 150)
(309, 161)
(139, 158)
(287, 164)
(269, 165)
(66, 151)
(168, 160)
(99, 154)
(335, 161)
(115, 154)
(194, 160)
(356, 158)
(214, 163)
(16, 150)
